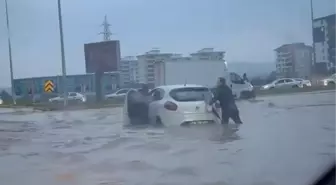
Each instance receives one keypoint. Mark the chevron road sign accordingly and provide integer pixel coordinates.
(48, 86)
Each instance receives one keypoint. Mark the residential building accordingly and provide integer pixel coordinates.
(146, 65)
(129, 70)
(208, 54)
(294, 60)
(324, 42)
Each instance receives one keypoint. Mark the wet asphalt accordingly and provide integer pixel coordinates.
(285, 139)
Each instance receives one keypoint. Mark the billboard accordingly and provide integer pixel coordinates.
(102, 56)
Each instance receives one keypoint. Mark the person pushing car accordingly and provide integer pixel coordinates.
(224, 95)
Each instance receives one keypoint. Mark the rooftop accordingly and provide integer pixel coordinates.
(287, 47)
(330, 18)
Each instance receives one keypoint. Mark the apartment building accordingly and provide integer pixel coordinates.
(146, 64)
(294, 60)
(129, 70)
(324, 42)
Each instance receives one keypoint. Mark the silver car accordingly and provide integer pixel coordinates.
(282, 84)
(72, 96)
(329, 81)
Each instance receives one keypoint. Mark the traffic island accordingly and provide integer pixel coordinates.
(293, 90)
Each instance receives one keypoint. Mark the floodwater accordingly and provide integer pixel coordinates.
(284, 140)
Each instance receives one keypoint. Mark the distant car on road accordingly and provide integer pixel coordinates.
(121, 93)
(331, 80)
(1, 101)
(283, 83)
(305, 83)
(72, 96)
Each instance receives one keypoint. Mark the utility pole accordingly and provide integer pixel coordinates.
(65, 90)
(10, 55)
(312, 24)
(100, 72)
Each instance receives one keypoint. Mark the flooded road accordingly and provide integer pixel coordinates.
(284, 140)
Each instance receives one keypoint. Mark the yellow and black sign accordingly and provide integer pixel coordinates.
(48, 86)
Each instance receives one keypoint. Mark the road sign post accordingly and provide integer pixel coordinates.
(49, 86)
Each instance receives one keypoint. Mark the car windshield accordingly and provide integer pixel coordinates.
(298, 79)
(191, 94)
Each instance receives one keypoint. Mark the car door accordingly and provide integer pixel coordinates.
(127, 104)
(155, 104)
(237, 84)
(290, 83)
(279, 84)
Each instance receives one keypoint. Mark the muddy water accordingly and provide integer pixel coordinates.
(284, 140)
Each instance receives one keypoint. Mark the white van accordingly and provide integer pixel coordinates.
(202, 72)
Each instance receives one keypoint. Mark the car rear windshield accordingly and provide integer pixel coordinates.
(188, 94)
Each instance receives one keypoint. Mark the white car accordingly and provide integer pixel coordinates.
(330, 80)
(178, 105)
(72, 96)
(1, 101)
(121, 93)
(282, 84)
(305, 83)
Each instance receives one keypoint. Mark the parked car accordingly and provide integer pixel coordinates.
(305, 83)
(1, 101)
(72, 96)
(121, 93)
(177, 105)
(283, 83)
(331, 80)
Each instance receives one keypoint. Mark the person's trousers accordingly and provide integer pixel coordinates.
(230, 112)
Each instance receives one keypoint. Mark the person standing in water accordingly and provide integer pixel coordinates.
(245, 77)
(224, 95)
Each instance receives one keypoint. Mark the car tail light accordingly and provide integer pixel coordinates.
(170, 106)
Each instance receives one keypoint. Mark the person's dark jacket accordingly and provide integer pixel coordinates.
(224, 95)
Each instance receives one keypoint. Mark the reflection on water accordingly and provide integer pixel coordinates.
(92, 147)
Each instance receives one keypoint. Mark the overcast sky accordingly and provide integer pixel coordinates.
(248, 30)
